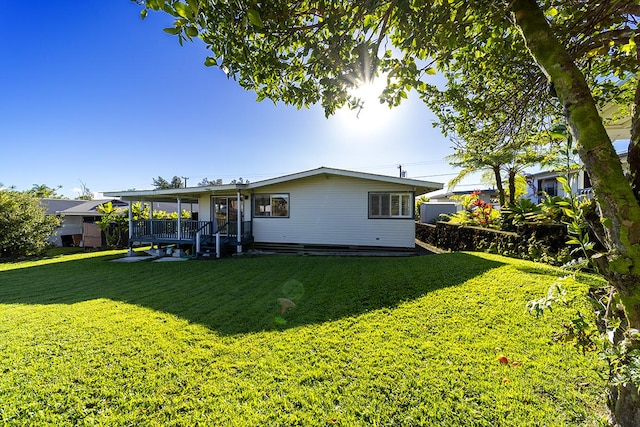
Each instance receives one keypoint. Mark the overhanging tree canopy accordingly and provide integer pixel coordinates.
(306, 52)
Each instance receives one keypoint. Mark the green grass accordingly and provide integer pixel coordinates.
(372, 341)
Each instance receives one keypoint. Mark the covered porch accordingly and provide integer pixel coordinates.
(202, 236)
(219, 224)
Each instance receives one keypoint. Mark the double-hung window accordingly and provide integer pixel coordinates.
(271, 205)
(390, 205)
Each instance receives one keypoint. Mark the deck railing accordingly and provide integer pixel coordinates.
(167, 229)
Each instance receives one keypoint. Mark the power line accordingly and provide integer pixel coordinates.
(431, 176)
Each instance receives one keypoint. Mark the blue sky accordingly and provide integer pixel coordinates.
(93, 94)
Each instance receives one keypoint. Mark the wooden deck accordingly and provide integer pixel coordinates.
(188, 232)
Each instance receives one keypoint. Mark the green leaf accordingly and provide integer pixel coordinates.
(629, 48)
(254, 18)
(143, 14)
(193, 4)
(171, 30)
(210, 62)
(153, 4)
(191, 31)
(552, 12)
(431, 71)
(183, 10)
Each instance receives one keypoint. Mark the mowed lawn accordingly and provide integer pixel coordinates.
(371, 342)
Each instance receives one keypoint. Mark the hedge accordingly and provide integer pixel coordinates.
(531, 241)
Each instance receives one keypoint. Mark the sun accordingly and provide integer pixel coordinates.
(369, 115)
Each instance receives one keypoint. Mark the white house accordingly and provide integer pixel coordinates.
(546, 182)
(321, 207)
(618, 128)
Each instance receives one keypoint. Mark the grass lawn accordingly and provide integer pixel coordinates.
(371, 341)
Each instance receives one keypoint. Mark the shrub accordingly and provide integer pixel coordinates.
(476, 212)
(530, 241)
(24, 226)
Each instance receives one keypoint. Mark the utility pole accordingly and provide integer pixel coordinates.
(402, 173)
(185, 180)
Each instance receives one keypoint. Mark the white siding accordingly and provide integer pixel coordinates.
(333, 210)
(204, 208)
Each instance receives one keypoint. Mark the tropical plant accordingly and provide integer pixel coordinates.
(476, 212)
(574, 209)
(523, 210)
(113, 223)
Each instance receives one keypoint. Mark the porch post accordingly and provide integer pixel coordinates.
(130, 253)
(239, 215)
(177, 251)
(151, 232)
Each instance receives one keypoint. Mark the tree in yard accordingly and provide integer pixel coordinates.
(310, 52)
(3, 187)
(494, 116)
(85, 193)
(24, 226)
(497, 157)
(160, 183)
(205, 182)
(43, 191)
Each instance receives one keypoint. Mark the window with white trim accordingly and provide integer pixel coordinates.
(271, 205)
(390, 205)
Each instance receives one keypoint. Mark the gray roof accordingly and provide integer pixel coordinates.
(77, 207)
(54, 206)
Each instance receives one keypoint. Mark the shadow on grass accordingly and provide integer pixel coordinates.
(239, 295)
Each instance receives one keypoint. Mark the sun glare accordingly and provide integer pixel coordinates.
(370, 114)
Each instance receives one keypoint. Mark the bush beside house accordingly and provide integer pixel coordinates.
(24, 226)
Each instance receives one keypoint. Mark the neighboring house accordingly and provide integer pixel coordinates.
(489, 195)
(319, 207)
(78, 221)
(546, 182)
(618, 126)
(617, 121)
(443, 202)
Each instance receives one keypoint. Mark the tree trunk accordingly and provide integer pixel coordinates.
(634, 144)
(498, 176)
(512, 186)
(618, 205)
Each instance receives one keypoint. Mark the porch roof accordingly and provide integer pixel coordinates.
(186, 195)
(192, 193)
